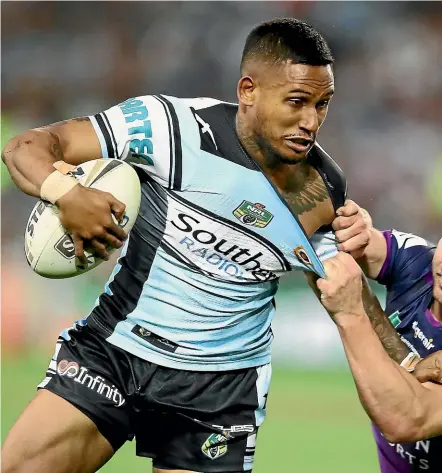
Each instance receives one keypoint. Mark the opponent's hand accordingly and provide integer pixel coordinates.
(341, 290)
(87, 214)
(352, 227)
(429, 368)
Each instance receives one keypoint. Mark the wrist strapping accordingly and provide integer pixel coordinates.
(410, 362)
(58, 183)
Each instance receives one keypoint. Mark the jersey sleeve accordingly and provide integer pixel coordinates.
(409, 258)
(142, 130)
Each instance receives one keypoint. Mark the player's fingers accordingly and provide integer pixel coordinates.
(348, 209)
(117, 207)
(340, 223)
(79, 250)
(114, 230)
(113, 241)
(99, 249)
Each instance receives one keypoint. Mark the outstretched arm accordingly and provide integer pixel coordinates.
(402, 408)
(386, 333)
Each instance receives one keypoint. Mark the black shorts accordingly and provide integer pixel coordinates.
(198, 421)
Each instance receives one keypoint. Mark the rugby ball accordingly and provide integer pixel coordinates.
(49, 247)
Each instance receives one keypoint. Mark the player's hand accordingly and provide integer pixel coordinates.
(429, 368)
(352, 227)
(341, 290)
(87, 214)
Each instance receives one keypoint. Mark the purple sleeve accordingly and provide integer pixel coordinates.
(386, 267)
(408, 258)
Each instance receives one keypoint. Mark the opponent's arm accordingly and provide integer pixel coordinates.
(402, 408)
(386, 333)
(86, 213)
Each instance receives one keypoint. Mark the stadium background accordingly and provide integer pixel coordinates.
(64, 59)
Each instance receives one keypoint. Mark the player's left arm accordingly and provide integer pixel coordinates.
(402, 408)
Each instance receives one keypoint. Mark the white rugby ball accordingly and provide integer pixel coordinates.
(49, 247)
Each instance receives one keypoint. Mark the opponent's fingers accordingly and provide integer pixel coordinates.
(99, 249)
(347, 233)
(348, 209)
(428, 374)
(357, 242)
(343, 222)
(79, 250)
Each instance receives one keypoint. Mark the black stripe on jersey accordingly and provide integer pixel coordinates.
(114, 141)
(144, 241)
(106, 135)
(178, 174)
(206, 213)
(171, 146)
(110, 167)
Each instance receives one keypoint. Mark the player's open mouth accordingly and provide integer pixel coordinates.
(300, 145)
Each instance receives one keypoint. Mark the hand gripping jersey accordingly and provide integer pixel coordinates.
(407, 275)
(195, 284)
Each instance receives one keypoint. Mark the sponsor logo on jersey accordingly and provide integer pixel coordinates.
(253, 214)
(215, 446)
(80, 375)
(231, 255)
(426, 342)
(395, 319)
(135, 115)
(235, 429)
(302, 255)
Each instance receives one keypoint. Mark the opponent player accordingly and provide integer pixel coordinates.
(176, 351)
(403, 410)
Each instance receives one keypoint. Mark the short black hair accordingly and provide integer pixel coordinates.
(285, 39)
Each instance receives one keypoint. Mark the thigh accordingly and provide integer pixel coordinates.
(81, 413)
(204, 422)
(53, 436)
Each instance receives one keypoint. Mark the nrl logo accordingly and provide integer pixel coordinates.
(215, 446)
(253, 214)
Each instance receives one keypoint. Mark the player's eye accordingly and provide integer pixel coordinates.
(323, 103)
(296, 101)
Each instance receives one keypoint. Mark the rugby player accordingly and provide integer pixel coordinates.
(176, 351)
(407, 415)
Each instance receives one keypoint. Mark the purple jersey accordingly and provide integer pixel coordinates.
(407, 276)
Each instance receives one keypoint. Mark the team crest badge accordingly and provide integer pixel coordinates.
(302, 255)
(253, 214)
(215, 446)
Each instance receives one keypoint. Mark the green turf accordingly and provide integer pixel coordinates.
(314, 425)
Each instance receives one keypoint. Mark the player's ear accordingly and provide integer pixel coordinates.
(246, 91)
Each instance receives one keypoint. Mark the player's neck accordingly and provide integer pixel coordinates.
(436, 310)
(283, 174)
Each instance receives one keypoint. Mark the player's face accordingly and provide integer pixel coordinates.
(291, 105)
(437, 272)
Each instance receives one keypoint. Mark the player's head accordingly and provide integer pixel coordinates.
(285, 88)
(437, 272)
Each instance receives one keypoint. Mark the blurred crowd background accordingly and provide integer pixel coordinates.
(65, 59)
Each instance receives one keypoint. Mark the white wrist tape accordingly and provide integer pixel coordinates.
(410, 362)
(57, 184)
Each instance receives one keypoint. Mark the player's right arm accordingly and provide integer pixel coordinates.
(86, 213)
